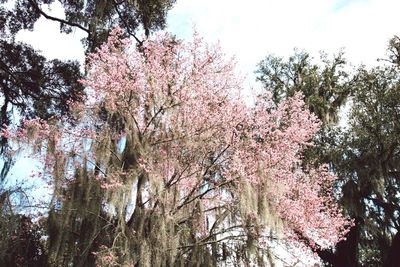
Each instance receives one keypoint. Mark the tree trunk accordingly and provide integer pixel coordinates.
(393, 257)
(346, 250)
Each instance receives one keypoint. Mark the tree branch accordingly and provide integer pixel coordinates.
(126, 24)
(36, 6)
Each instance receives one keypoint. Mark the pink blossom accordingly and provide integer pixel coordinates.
(188, 130)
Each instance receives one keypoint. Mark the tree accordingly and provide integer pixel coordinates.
(325, 87)
(394, 51)
(168, 167)
(364, 155)
(369, 156)
(36, 87)
(30, 84)
(20, 238)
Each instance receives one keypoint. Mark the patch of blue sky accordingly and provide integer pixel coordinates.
(342, 4)
(30, 191)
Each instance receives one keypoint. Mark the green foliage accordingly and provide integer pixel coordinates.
(365, 155)
(369, 160)
(35, 86)
(99, 17)
(394, 50)
(21, 242)
(325, 86)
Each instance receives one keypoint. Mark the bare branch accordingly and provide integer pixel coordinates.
(36, 6)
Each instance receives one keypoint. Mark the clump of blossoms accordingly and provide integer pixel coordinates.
(182, 167)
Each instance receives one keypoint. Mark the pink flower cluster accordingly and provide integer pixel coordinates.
(185, 118)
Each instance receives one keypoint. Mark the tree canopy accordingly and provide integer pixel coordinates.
(154, 159)
(364, 154)
(167, 166)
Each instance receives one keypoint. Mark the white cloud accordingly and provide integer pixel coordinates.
(47, 38)
(255, 28)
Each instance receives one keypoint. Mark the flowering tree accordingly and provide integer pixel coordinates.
(166, 165)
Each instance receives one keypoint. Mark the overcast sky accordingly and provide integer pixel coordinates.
(253, 29)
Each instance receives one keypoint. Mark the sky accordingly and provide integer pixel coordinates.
(252, 29)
